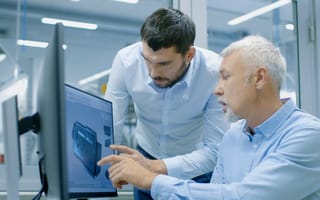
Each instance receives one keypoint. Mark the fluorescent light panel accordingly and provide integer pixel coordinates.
(258, 12)
(69, 23)
(94, 77)
(31, 43)
(128, 1)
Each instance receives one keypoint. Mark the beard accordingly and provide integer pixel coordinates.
(170, 82)
(229, 115)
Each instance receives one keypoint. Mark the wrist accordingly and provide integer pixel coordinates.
(157, 166)
(148, 180)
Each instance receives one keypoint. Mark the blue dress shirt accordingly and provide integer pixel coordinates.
(170, 121)
(280, 161)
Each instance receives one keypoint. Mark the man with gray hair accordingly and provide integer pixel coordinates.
(271, 152)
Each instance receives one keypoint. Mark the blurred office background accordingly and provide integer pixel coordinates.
(113, 24)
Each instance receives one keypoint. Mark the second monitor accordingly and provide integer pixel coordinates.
(89, 133)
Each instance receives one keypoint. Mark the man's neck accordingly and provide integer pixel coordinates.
(262, 111)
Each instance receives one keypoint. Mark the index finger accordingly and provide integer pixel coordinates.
(109, 159)
(122, 149)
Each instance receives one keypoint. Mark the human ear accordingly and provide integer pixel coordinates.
(261, 76)
(190, 53)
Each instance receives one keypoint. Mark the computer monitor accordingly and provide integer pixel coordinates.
(89, 133)
(51, 110)
(67, 169)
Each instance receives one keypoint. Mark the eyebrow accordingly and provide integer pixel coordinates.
(164, 62)
(222, 71)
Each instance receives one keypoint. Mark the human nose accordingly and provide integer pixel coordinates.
(154, 70)
(218, 91)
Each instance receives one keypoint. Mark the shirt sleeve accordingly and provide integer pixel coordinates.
(170, 188)
(291, 173)
(118, 94)
(204, 159)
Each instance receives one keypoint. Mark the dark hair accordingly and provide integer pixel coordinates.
(166, 28)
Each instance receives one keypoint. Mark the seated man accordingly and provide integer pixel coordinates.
(272, 152)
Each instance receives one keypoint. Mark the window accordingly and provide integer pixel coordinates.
(277, 25)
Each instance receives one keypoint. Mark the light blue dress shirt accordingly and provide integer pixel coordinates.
(281, 161)
(170, 121)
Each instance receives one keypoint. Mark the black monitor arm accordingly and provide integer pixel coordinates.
(29, 123)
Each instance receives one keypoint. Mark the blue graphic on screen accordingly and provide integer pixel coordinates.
(89, 134)
(86, 147)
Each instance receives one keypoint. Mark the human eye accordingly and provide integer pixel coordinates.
(147, 62)
(164, 64)
(224, 76)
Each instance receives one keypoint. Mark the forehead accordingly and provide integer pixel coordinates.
(160, 56)
(146, 49)
(232, 63)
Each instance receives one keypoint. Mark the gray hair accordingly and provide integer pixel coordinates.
(258, 51)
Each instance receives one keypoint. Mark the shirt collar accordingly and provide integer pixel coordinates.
(188, 75)
(271, 125)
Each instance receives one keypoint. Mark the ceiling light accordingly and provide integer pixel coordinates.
(290, 27)
(31, 43)
(258, 12)
(69, 23)
(128, 1)
(94, 77)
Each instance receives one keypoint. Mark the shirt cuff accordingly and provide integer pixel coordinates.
(173, 165)
(161, 187)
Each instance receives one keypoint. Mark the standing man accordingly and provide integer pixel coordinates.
(272, 152)
(170, 82)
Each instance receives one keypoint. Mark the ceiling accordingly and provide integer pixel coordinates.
(114, 19)
(102, 9)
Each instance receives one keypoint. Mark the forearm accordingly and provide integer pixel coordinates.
(193, 164)
(157, 166)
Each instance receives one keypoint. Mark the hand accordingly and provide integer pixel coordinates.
(157, 166)
(132, 153)
(125, 170)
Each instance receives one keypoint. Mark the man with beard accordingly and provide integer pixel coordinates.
(170, 83)
(271, 152)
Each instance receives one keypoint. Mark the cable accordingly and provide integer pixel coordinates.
(44, 182)
(38, 196)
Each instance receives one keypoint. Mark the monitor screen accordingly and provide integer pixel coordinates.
(89, 133)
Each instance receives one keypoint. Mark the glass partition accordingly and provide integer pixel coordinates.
(275, 24)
